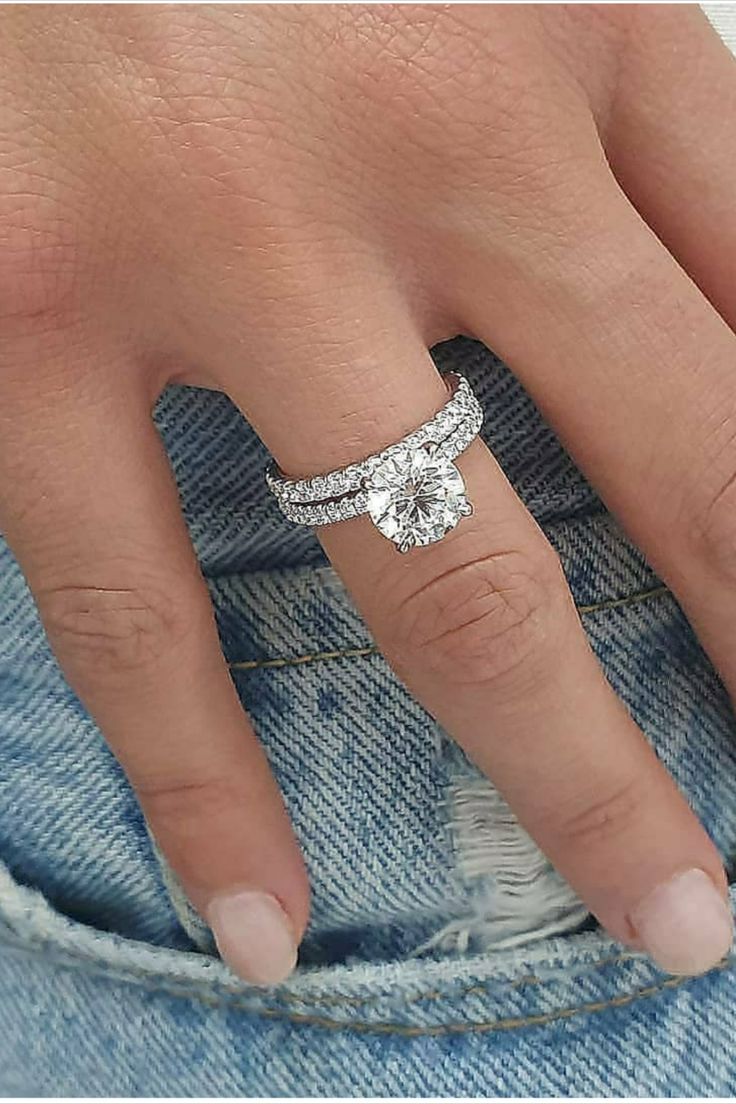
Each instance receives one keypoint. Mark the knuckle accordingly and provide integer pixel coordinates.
(384, 55)
(104, 632)
(40, 259)
(604, 817)
(485, 620)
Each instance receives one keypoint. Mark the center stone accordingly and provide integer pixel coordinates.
(416, 496)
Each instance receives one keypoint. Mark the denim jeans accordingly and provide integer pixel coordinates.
(444, 955)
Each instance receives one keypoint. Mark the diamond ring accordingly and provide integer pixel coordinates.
(412, 490)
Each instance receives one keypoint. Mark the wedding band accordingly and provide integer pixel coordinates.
(412, 490)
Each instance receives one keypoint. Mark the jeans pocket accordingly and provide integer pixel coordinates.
(417, 974)
(87, 1011)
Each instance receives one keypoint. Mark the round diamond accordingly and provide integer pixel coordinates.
(416, 496)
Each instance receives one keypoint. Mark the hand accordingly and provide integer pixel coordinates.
(292, 204)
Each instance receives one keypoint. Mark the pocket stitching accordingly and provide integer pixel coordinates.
(215, 999)
(68, 958)
(371, 649)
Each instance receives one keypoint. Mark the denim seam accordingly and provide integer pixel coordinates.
(470, 991)
(461, 1027)
(212, 992)
(372, 650)
(296, 661)
(497, 985)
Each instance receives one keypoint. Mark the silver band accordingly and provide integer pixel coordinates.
(421, 461)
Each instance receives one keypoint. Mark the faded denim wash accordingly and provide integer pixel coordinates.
(444, 955)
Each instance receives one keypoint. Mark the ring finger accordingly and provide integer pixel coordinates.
(482, 628)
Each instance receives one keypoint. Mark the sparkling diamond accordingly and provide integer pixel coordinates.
(416, 496)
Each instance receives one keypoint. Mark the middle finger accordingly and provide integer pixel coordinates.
(636, 371)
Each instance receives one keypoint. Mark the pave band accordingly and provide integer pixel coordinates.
(336, 483)
(411, 489)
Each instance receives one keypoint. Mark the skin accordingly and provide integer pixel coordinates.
(291, 205)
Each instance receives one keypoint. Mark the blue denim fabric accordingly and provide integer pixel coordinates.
(409, 983)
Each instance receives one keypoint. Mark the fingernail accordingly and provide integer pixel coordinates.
(684, 924)
(254, 936)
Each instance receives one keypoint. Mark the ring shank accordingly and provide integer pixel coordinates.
(340, 494)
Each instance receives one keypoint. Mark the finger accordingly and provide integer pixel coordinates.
(635, 370)
(482, 628)
(671, 141)
(90, 508)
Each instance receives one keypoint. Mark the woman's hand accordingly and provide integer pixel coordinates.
(291, 204)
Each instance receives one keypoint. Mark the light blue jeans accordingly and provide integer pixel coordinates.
(444, 955)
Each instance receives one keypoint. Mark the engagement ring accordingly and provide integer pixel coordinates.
(412, 490)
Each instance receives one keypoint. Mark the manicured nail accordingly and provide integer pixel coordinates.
(684, 924)
(254, 936)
